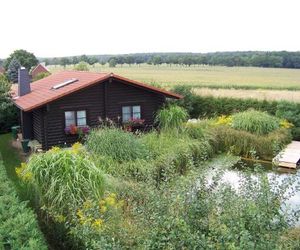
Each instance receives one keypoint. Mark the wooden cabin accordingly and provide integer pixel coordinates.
(50, 107)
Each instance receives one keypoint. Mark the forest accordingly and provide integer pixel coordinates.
(274, 59)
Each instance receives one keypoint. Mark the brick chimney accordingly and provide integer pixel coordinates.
(23, 82)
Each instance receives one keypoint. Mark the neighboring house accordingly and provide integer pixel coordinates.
(53, 104)
(40, 68)
(2, 70)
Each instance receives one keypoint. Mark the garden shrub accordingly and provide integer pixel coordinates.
(8, 112)
(171, 117)
(245, 144)
(63, 178)
(115, 143)
(209, 106)
(255, 122)
(19, 227)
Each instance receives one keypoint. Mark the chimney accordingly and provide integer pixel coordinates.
(23, 82)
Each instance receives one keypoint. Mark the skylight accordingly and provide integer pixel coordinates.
(65, 83)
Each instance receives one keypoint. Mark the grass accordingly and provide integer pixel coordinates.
(206, 76)
(10, 156)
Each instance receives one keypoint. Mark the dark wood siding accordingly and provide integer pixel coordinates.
(120, 94)
(102, 100)
(90, 99)
(38, 125)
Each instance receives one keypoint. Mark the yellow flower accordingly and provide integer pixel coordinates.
(23, 173)
(110, 201)
(98, 223)
(54, 149)
(224, 120)
(103, 209)
(60, 218)
(87, 204)
(80, 213)
(285, 124)
(101, 202)
(76, 147)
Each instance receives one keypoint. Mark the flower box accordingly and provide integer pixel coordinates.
(77, 130)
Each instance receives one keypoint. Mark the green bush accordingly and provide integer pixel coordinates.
(255, 122)
(115, 143)
(63, 178)
(8, 112)
(171, 117)
(82, 66)
(208, 106)
(18, 228)
(245, 144)
(40, 76)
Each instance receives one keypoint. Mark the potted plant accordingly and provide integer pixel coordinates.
(133, 123)
(77, 130)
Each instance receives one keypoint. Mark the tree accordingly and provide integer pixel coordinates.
(12, 70)
(75, 60)
(26, 59)
(82, 66)
(112, 62)
(64, 61)
(8, 112)
(84, 58)
(92, 60)
(156, 60)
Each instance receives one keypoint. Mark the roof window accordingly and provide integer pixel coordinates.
(65, 83)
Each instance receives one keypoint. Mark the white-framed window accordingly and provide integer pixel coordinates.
(77, 118)
(131, 112)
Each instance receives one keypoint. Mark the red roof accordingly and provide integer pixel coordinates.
(40, 68)
(42, 91)
(2, 70)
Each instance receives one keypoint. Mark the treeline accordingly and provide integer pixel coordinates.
(281, 59)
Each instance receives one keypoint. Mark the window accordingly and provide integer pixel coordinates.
(77, 118)
(131, 112)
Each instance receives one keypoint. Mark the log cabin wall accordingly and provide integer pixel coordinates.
(101, 100)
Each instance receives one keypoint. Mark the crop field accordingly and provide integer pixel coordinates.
(206, 76)
(236, 82)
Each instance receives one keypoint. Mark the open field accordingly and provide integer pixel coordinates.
(206, 76)
(260, 94)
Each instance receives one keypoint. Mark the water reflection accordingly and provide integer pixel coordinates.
(232, 176)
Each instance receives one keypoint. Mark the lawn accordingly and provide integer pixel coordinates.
(10, 156)
(206, 76)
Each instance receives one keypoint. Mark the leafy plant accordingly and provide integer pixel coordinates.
(40, 76)
(19, 227)
(63, 178)
(255, 122)
(115, 143)
(171, 117)
(8, 112)
(82, 66)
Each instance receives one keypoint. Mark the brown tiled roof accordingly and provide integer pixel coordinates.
(42, 91)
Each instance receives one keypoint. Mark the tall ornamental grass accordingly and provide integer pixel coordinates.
(243, 143)
(63, 178)
(255, 122)
(171, 117)
(117, 144)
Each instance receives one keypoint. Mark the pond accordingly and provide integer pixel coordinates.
(232, 176)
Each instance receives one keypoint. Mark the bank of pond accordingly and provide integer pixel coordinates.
(169, 188)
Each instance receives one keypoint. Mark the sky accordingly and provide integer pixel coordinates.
(55, 28)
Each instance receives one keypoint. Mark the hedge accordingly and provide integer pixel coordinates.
(18, 224)
(209, 106)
